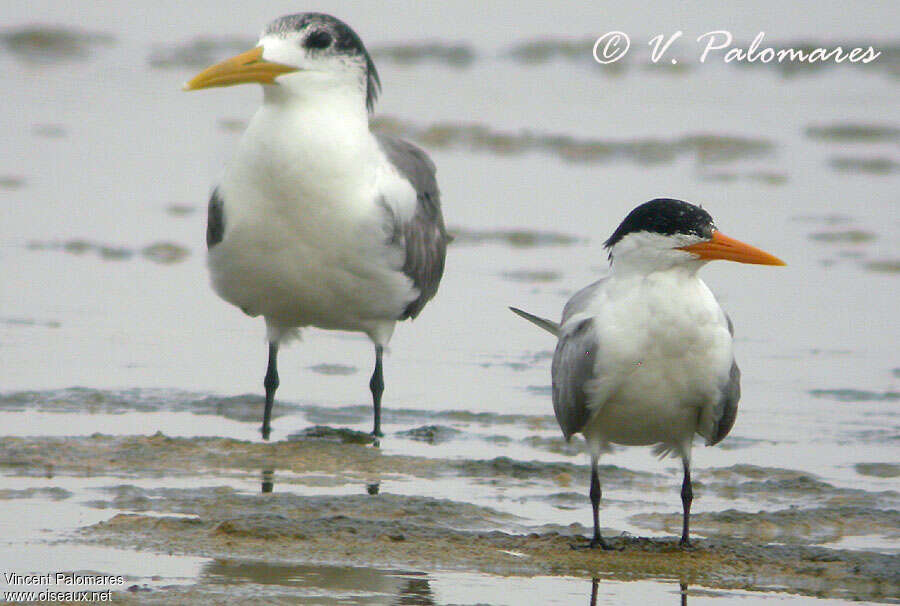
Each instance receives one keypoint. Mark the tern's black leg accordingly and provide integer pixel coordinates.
(594, 585)
(271, 384)
(596, 493)
(687, 495)
(376, 384)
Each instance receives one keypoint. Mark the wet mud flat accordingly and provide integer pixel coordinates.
(177, 496)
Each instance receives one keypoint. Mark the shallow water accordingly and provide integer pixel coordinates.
(540, 154)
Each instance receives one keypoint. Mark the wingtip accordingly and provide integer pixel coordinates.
(548, 325)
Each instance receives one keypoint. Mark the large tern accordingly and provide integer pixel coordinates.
(644, 355)
(317, 221)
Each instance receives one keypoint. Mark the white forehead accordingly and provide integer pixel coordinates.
(280, 48)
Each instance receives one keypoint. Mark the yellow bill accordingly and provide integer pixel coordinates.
(729, 249)
(241, 69)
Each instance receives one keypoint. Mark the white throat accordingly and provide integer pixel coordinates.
(643, 253)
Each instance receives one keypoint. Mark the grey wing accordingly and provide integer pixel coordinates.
(215, 219)
(424, 236)
(573, 367)
(726, 408)
(580, 300)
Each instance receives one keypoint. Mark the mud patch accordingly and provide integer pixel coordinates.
(77, 246)
(764, 177)
(878, 470)
(431, 434)
(199, 52)
(51, 43)
(51, 493)
(531, 276)
(343, 454)
(274, 515)
(165, 253)
(856, 395)
(790, 526)
(341, 370)
(867, 165)
(787, 487)
(232, 125)
(246, 408)
(453, 54)
(11, 182)
(557, 444)
(338, 435)
(704, 148)
(181, 210)
(515, 238)
(846, 236)
(884, 267)
(853, 132)
(406, 416)
(414, 531)
(49, 131)
(30, 322)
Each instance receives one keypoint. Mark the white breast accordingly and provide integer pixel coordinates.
(664, 350)
(305, 238)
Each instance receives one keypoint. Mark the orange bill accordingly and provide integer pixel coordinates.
(723, 247)
(243, 68)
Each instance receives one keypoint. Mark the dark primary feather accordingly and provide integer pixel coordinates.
(726, 408)
(573, 364)
(573, 368)
(215, 220)
(423, 236)
(725, 412)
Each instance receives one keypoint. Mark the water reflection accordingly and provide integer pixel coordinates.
(366, 585)
(268, 480)
(267, 483)
(682, 586)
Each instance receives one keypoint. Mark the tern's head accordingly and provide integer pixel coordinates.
(301, 54)
(666, 233)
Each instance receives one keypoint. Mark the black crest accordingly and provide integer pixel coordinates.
(665, 216)
(330, 32)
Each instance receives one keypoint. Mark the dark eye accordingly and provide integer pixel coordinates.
(318, 39)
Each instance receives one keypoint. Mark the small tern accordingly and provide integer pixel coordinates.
(644, 355)
(317, 221)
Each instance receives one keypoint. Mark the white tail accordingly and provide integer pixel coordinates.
(548, 325)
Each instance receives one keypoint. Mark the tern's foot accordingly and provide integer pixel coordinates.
(685, 543)
(266, 432)
(593, 544)
(377, 433)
